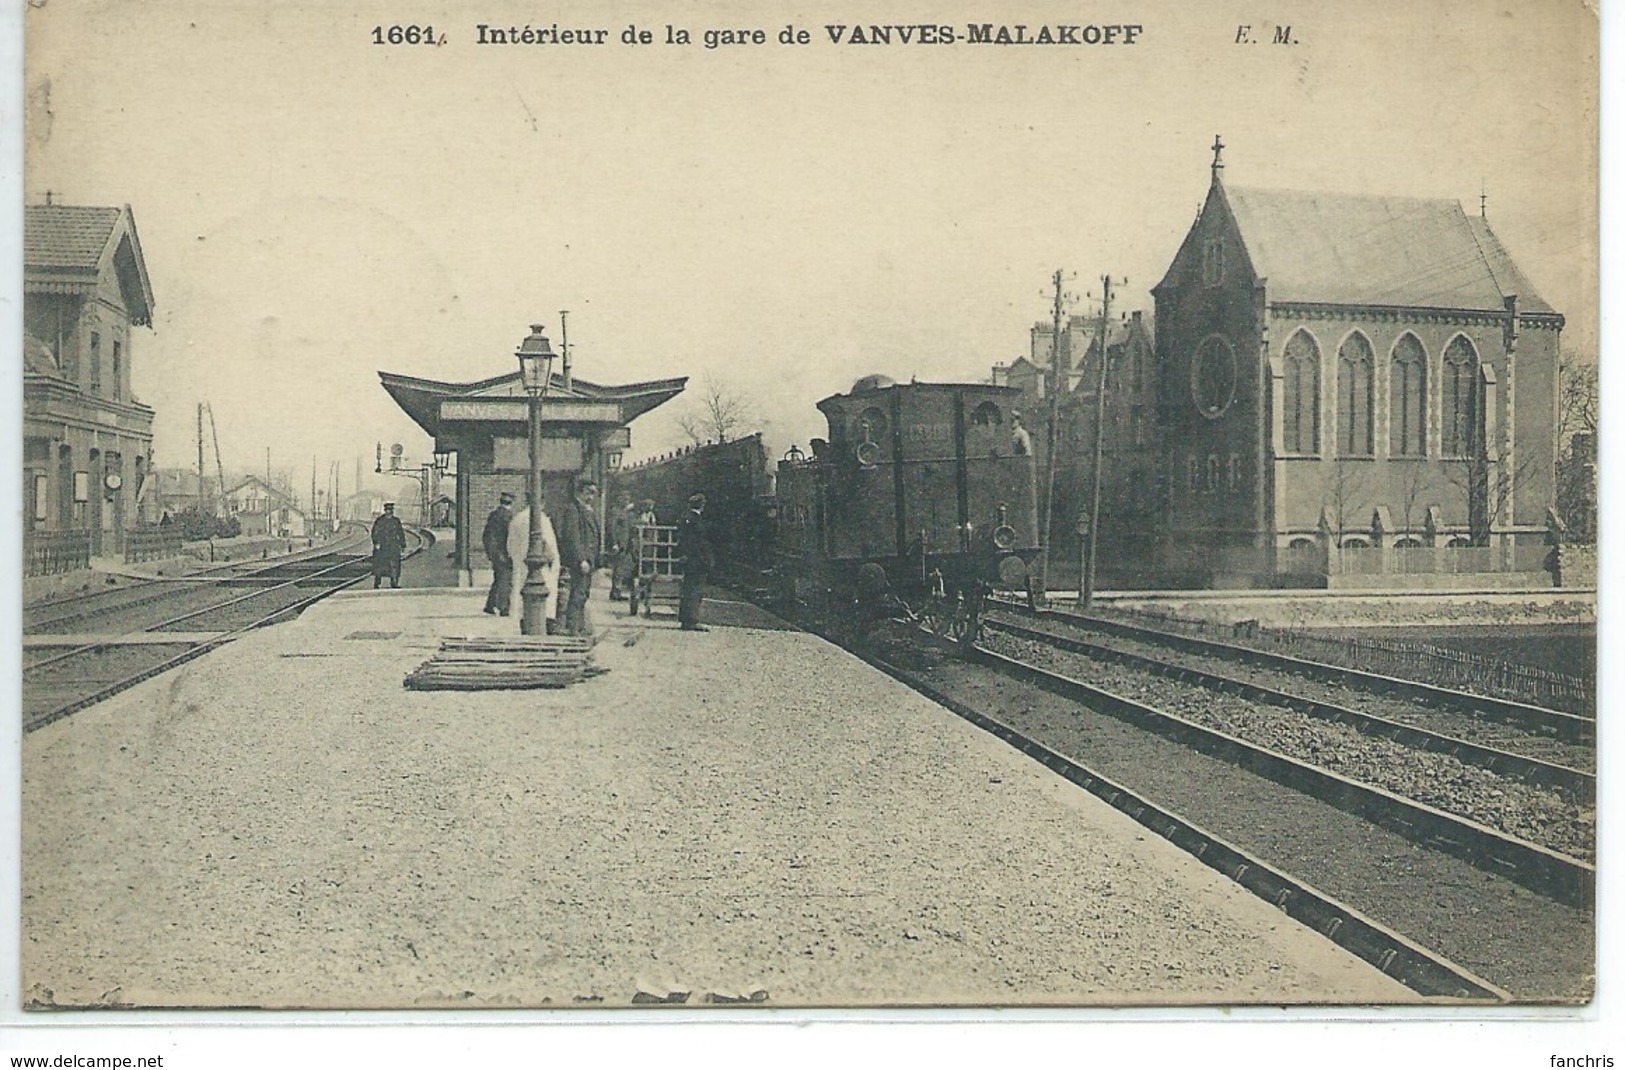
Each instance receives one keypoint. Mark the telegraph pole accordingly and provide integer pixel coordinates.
(1057, 383)
(200, 484)
(564, 344)
(1086, 590)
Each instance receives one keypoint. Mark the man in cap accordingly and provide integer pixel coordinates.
(1021, 440)
(388, 545)
(694, 546)
(578, 534)
(495, 541)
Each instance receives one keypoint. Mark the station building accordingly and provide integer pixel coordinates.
(485, 424)
(87, 441)
(1360, 390)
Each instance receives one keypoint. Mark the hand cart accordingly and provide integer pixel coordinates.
(658, 575)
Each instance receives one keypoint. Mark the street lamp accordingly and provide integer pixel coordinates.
(535, 373)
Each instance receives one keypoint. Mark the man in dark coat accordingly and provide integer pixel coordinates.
(495, 541)
(620, 548)
(388, 545)
(694, 547)
(578, 534)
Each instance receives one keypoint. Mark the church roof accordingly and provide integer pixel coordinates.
(1348, 249)
(66, 245)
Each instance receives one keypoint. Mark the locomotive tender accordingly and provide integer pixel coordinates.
(921, 501)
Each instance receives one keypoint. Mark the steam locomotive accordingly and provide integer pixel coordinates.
(922, 501)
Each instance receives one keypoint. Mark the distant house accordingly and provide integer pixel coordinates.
(1130, 502)
(1130, 499)
(262, 510)
(87, 441)
(172, 491)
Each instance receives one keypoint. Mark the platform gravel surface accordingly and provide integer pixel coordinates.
(744, 815)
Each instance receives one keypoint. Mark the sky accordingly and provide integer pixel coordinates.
(314, 208)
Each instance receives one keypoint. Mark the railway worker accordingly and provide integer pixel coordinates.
(1021, 441)
(495, 541)
(519, 547)
(578, 537)
(388, 545)
(694, 547)
(622, 531)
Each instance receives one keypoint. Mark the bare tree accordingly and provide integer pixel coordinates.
(1577, 398)
(1488, 485)
(1577, 461)
(1412, 485)
(715, 413)
(1345, 494)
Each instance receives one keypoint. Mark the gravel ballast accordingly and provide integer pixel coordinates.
(1539, 815)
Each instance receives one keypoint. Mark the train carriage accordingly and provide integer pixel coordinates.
(921, 501)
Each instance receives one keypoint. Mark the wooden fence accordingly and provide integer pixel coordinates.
(46, 553)
(1427, 662)
(154, 545)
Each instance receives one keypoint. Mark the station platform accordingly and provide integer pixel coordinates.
(748, 815)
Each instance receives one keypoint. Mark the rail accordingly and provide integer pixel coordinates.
(1542, 870)
(1577, 783)
(1413, 965)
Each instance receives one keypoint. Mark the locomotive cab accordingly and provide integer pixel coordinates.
(931, 482)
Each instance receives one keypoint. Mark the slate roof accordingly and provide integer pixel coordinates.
(1364, 250)
(63, 247)
(66, 236)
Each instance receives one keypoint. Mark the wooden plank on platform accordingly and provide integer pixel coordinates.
(505, 664)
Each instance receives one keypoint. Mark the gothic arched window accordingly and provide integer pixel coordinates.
(1458, 420)
(1300, 415)
(1356, 366)
(1407, 398)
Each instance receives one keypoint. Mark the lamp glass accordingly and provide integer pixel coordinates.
(535, 361)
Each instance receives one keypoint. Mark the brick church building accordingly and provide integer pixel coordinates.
(1350, 386)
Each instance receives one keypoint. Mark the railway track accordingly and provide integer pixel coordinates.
(107, 607)
(1512, 761)
(57, 683)
(1536, 720)
(1449, 906)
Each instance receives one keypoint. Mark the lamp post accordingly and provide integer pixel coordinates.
(535, 372)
